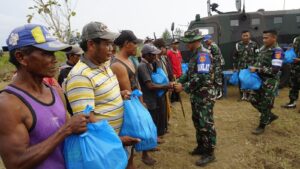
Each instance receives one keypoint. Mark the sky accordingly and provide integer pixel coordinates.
(143, 17)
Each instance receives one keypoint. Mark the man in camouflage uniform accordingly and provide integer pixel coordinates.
(218, 62)
(198, 82)
(295, 76)
(269, 62)
(244, 55)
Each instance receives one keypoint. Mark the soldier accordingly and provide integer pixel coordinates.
(245, 54)
(218, 62)
(199, 84)
(295, 76)
(269, 62)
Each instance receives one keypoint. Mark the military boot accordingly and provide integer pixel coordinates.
(290, 105)
(273, 118)
(259, 130)
(205, 159)
(197, 151)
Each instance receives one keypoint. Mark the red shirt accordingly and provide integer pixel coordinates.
(175, 58)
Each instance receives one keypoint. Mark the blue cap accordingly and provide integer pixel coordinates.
(207, 37)
(34, 35)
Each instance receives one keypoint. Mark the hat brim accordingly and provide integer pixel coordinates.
(156, 52)
(53, 46)
(190, 40)
(138, 41)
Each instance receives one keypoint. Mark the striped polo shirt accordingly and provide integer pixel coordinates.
(89, 84)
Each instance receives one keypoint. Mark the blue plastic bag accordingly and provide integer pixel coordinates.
(138, 123)
(289, 56)
(159, 77)
(249, 80)
(98, 148)
(184, 67)
(234, 79)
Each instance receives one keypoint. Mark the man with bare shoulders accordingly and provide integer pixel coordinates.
(33, 116)
(126, 74)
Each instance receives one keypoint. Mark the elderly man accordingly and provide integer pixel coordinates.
(34, 123)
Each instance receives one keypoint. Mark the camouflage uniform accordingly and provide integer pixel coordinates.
(244, 55)
(295, 72)
(218, 62)
(201, 90)
(269, 61)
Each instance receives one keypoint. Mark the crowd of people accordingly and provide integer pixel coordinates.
(103, 70)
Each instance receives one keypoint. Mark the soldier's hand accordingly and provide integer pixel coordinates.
(296, 60)
(252, 70)
(178, 87)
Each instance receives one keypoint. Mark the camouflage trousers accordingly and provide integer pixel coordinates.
(202, 116)
(263, 99)
(218, 78)
(295, 83)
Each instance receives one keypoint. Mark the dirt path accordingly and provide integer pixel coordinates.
(237, 148)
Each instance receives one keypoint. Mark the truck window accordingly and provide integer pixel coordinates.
(255, 21)
(206, 30)
(234, 23)
(277, 20)
(298, 19)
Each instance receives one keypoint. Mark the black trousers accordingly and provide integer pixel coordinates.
(159, 116)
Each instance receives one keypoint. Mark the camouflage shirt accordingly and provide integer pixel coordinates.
(269, 61)
(216, 53)
(244, 55)
(193, 81)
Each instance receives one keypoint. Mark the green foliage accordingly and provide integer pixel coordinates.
(166, 35)
(56, 14)
(60, 57)
(5, 65)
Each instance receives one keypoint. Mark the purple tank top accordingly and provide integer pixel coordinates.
(47, 119)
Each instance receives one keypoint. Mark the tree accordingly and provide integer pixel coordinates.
(178, 32)
(57, 15)
(166, 35)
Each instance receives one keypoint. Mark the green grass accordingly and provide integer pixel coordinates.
(5, 65)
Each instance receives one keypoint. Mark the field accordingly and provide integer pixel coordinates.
(237, 148)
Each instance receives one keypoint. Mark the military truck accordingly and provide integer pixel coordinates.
(226, 27)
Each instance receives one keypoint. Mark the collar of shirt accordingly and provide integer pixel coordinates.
(147, 63)
(90, 64)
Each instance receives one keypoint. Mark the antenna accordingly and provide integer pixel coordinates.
(172, 29)
(244, 6)
(283, 4)
(208, 8)
(238, 4)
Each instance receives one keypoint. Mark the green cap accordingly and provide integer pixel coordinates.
(94, 30)
(191, 36)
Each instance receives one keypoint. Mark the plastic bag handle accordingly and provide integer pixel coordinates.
(86, 111)
(136, 93)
